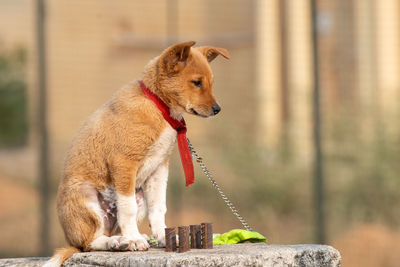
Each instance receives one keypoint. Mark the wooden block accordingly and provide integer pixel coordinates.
(206, 235)
(195, 236)
(170, 239)
(183, 233)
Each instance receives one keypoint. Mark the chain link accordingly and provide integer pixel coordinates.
(216, 186)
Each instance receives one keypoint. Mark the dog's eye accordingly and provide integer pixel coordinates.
(197, 83)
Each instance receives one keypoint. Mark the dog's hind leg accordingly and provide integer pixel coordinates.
(101, 239)
(80, 213)
(110, 239)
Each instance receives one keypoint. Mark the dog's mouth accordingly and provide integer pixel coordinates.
(197, 114)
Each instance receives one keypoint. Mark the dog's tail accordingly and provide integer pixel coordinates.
(61, 255)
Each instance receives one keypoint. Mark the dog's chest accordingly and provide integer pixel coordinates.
(156, 155)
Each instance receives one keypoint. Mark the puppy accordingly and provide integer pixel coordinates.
(117, 167)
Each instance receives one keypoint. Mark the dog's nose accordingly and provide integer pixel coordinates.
(216, 109)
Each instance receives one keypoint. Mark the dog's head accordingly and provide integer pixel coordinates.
(185, 78)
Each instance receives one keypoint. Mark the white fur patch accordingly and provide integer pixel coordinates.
(127, 214)
(100, 243)
(155, 190)
(95, 207)
(156, 155)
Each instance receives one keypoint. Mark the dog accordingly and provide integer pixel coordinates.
(116, 170)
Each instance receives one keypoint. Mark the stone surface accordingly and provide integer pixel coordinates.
(22, 262)
(224, 255)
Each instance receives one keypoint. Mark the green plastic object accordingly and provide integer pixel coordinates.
(238, 236)
(152, 241)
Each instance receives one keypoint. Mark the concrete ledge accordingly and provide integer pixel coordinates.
(19, 262)
(225, 255)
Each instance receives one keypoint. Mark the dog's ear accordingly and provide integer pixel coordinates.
(211, 52)
(174, 57)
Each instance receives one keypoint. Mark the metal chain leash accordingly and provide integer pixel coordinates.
(216, 186)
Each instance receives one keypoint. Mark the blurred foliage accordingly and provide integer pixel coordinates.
(13, 100)
(362, 172)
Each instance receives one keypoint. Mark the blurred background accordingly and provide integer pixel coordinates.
(307, 145)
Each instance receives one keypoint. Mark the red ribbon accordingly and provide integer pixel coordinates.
(180, 127)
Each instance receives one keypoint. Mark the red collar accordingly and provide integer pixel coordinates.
(180, 127)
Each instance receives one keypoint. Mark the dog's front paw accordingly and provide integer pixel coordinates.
(138, 243)
(118, 243)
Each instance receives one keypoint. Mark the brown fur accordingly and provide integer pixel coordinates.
(112, 144)
(65, 253)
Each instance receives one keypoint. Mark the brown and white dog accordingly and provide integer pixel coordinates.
(117, 167)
